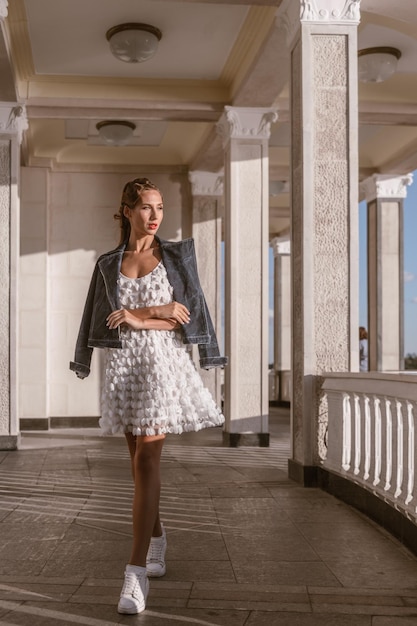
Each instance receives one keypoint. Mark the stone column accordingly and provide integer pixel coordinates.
(245, 133)
(322, 36)
(12, 123)
(207, 192)
(282, 319)
(384, 197)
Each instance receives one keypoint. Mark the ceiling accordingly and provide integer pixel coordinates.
(212, 53)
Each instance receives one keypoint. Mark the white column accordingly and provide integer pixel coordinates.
(385, 196)
(12, 124)
(322, 36)
(207, 192)
(245, 133)
(282, 319)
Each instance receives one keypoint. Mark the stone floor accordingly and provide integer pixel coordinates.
(247, 547)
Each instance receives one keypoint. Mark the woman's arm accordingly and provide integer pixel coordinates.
(173, 310)
(159, 324)
(129, 317)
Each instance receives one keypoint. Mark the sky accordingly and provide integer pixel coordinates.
(410, 268)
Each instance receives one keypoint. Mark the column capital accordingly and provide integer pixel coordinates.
(13, 119)
(3, 9)
(332, 11)
(205, 183)
(281, 246)
(246, 123)
(385, 186)
(295, 12)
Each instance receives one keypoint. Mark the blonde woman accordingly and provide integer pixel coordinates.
(144, 305)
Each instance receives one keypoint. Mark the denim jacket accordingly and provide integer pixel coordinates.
(180, 263)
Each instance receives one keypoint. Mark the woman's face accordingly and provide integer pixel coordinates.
(146, 216)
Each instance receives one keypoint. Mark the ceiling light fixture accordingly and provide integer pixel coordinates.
(377, 64)
(116, 132)
(133, 43)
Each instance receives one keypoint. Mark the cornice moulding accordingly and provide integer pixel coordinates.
(370, 112)
(251, 37)
(92, 109)
(55, 166)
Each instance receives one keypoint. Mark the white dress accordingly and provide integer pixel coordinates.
(150, 385)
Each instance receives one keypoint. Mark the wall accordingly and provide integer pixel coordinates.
(66, 223)
(33, 294)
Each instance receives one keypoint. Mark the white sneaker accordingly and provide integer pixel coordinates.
(135, 591)
(155, 559)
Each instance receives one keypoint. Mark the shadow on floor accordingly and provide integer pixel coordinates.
(247, 547)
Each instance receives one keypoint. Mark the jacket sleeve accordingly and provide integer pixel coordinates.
(83, 353)
(209, 353)
(180, 262)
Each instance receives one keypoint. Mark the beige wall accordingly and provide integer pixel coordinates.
(66, 222)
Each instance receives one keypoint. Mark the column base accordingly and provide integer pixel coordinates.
(306, 475)
(284, 387)
(34, 423)
(89, 421)
(238, 440)
(46, 423)
(280, 403)
(9, 442)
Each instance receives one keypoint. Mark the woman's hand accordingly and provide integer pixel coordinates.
(124, 316)
(173, 310)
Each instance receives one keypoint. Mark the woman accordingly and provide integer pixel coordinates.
(363, 349)
(144, 303)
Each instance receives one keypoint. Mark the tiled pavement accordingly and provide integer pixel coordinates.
(247, 547)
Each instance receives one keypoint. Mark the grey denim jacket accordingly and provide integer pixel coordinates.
(180, 263)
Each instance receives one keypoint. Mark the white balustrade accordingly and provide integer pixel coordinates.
(371, 434)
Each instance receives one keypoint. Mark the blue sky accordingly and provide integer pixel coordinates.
(410, 267)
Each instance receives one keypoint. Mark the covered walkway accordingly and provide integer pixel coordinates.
(247, 547)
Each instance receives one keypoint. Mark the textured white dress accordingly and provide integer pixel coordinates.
(150, 385)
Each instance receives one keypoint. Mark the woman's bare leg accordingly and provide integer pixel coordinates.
(146, 456)
(131, 442)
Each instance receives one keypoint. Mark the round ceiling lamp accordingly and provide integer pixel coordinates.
(133, 43)
(377, 64)
(116, 132)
